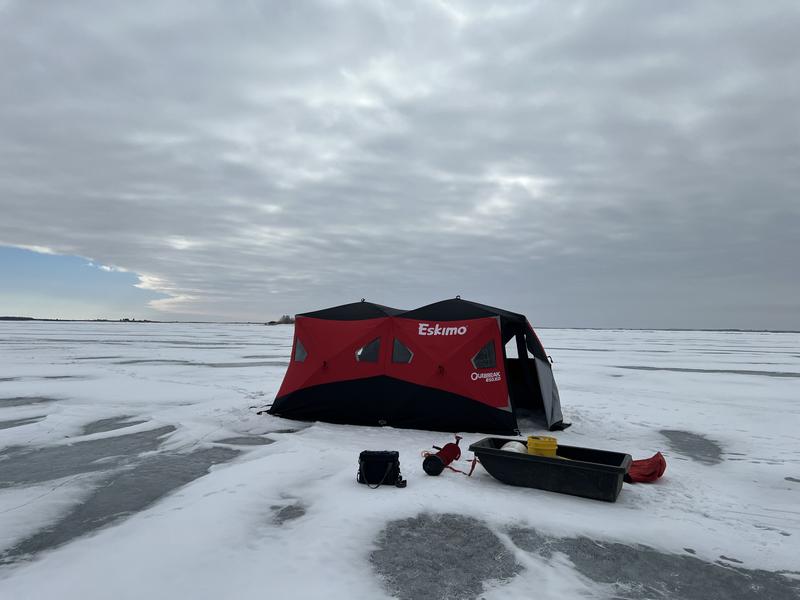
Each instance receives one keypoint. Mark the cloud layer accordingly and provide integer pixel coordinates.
(593, 164)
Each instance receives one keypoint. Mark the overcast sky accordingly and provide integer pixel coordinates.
(630, 164)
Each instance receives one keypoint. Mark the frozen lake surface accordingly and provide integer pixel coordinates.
(133, 465)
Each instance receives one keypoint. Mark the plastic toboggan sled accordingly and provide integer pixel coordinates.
(585, 472)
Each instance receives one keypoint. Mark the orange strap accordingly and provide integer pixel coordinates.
(471, 469)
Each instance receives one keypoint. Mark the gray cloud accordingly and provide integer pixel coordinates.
(592, 164)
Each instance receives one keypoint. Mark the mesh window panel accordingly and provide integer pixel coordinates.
(485, 358)
(369, 353)
(300, 352)
(401, 353)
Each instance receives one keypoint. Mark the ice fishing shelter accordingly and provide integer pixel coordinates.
(441, 367)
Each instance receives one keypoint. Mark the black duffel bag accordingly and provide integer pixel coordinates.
(380, 467)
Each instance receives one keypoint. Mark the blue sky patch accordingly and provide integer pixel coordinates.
(33, 284)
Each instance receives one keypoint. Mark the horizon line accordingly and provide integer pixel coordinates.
(12, 319)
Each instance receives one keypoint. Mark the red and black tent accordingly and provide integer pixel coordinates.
(441, 367)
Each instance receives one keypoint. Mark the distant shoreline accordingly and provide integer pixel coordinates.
(129, 321)
(144, 321)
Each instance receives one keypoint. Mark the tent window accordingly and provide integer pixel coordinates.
(485, 358)
(369, 353)
(299, 352)
(401, 353)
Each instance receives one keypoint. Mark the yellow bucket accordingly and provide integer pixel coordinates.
(542, 445)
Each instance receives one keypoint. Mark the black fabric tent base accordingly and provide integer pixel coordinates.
(387, 401)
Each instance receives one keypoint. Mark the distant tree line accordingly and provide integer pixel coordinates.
(284, 320)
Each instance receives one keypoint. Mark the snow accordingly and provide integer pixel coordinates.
(228, 534)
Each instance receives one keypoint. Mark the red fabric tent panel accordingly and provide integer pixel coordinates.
(331, 348)
(443, 354)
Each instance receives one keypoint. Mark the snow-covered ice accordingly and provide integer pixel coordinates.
(133, 465)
